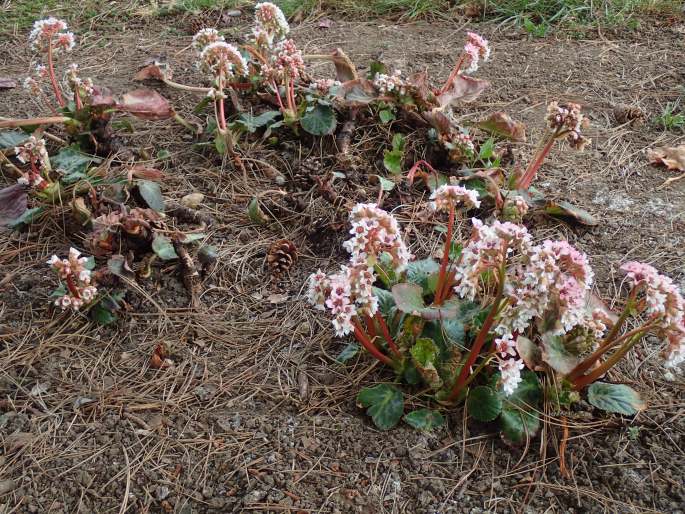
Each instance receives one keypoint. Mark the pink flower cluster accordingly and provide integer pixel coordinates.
(374, 232)
(350, 292)
(323, 86)
(206, 37)
(270, 22)
(515, 208)
(51, 33)
(568, 120)
(391, 84)
(222, 59)
(286, 63)
(475, 49)
(447, 197)
(84, 87)
(664, 301)
(80, 290)
(33, 152)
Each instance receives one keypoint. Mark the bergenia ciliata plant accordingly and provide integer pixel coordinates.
(77, 288)
(495, 304)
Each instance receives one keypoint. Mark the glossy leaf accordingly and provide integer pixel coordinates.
(484, 403)
(556, 355)
(73, 163)
(12, 138)
(420, 272)
(386, 302)
(152, 194)
(424, 354)
(13, 203)
(618, 398)
(409, 299)
(347, 353)
(386, 185)
(519, 418)
(163, 248)
(251, 123)
(384, 403)
(102, 315)
(424, 419)
(320, 121)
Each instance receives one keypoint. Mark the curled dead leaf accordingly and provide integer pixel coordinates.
(357, 92)
(160, 357)
(153, 71)
(501, 124)
(7, 83)
(145, 173)
(146, 104)
(463, 89)
(673, 157)
(344, 68)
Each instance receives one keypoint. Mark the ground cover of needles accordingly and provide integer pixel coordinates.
(255, 415)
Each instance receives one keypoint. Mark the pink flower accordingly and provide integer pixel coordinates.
(448, 196)
(270, 19)
(51, 31)
(222, 59)
(475, 49)
(206, 37)
(510, 370)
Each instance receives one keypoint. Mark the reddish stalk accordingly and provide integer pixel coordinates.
(72, 287)
(53, 79)
(480, 339)
(440, 289)
(586, 380)
(370, 327)
(527, 179)
(386, 334)
(370, 347)
(278, 96)
(453, 75)
(415, 168)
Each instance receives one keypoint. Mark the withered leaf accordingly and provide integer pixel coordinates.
(7, 83)
(13, 203)
(464, 89)
(357, 92)
(146, 104)
(344, 68)
(673, 157)
(501, 124)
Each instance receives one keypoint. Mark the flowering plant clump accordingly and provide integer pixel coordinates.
(84, 109)
(482, 322)
(77, 288)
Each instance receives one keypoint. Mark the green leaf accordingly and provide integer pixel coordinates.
(424, 419)
(386, 185)
(251, 123)
(386, 301)
(320, 121)
(376, 67)
(618, 398)
(90, 263)
(384, 403)
(518, 425)
(255, 213)
(392, 159)
(59, 292)
(151, 194)
(484, 403)
(102, 315)
(409, 299)
(73, 163)
(556, 355)
(12, 138)
(419, 272)
(487, 150)
(191, 238)
(220, 143)
(519, 418)
(570, 213)
(529, 352)
(435, 180)
(118, 266)
(398, 141)
(424, 354)
(207, 254)
(163, 154)
(28, 217)
(386, 115)
(347, 353)
(163, 247)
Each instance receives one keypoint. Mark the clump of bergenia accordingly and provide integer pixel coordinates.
(77, 287)
(496, 309)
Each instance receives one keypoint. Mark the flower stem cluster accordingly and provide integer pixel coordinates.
(34, 153)
(476, 49)
(80, 288)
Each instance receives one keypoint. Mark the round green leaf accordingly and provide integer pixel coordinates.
(320, 121)
(163, 247)
(419, 272)
(347, 353)
(424, 419)
(152, 194)
(384, 403)
(618, 398)
(12, 138)
(484, 403)
(556, 355)
(386, 302)
(518, 425)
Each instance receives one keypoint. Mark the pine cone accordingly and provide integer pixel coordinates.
(281, 257)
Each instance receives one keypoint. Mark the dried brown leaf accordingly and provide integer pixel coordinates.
(146, 104)
(357, 92)
(152, 72)
(13, 203)
(344, 68)
(7, 83)
(501, 124)
(673, 157)
(464, 89)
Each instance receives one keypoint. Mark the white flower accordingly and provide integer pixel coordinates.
(270, 19)
(206, 37)
(223, 59)
(448, 196)
(510, 370)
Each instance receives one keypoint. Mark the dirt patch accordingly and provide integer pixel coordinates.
(255, 416)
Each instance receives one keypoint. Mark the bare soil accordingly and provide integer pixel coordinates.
(255, 415)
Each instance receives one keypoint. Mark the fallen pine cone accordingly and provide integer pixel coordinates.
(281, 257)
(628, 113)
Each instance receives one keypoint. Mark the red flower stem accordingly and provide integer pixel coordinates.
(453, 75)
(527, 178)
(607, 343)
(77, 99)
(72, 287)
(278, 95)
(585, 380)
(53, 80)
(370, 327)
(440, 289)
(370, 347)
(386, 334)
(480, 339)
(415, 168)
